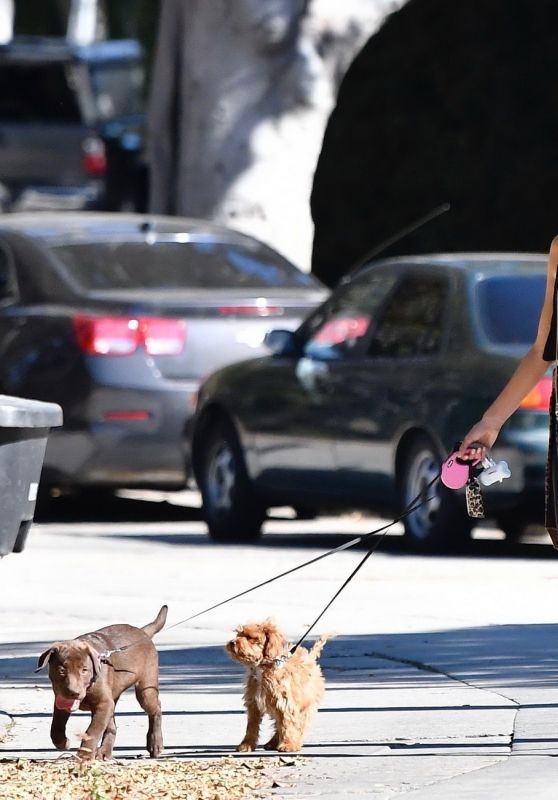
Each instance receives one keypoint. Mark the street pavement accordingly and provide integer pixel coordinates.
(442, 679)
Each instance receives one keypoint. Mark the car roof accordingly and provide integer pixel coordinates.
(466, 261)
(38, 49)
(98, 226)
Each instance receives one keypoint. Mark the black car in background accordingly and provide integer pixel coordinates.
(117, 317)
(71, 125)
(360, 405)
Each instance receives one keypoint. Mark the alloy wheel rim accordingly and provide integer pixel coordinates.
(221, 478)
(423, 471)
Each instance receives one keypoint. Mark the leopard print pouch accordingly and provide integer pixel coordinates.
(473, 498)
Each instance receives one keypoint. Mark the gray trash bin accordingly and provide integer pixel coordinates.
(24, 428)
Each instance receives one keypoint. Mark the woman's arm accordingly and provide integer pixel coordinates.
(529, 371)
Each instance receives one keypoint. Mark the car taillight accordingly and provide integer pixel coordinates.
(94, 156)
(122, 336)
(538, 399)
(162, 337)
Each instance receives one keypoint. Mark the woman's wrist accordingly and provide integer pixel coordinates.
(492, 421)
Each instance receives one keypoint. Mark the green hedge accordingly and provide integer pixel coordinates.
(451, 101)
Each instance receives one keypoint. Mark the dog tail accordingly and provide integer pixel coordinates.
(154, 627)
(318, 646)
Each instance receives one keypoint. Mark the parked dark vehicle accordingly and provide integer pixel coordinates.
(359, 406)
(117, 317)
(71, 125)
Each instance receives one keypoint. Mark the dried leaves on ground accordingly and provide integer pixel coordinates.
(64, 779)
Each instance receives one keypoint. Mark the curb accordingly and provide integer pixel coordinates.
(6, 723)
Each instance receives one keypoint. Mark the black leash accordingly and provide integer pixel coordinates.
(411, 507)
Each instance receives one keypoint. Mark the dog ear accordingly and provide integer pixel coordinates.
(274, 641)
(45, 657)
(95, 660)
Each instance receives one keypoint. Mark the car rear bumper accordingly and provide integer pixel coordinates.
(122, 439)
(58, 198)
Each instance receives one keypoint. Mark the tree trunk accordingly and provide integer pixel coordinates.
(240, 96)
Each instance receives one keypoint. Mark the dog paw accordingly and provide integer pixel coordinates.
(61, 744)
(272, 744)
(246, 747)
(104, 753)
(154, 746)
(85, 754)
(288, 747)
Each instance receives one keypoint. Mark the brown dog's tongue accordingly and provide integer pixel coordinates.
(63, 704)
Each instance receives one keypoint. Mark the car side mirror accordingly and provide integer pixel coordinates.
(281, 342)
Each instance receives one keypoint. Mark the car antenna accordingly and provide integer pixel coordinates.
(418, 223)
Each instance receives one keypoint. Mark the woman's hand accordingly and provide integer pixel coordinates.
(479, 439)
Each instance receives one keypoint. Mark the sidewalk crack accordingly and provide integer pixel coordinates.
(436, 671)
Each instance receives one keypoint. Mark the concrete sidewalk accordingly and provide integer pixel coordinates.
(457, 711)
(390, 722)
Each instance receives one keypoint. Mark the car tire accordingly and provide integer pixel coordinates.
(231, 508)
(439, 523)
(513, 523)
(305, 512)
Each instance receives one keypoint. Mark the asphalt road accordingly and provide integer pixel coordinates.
(437, 664)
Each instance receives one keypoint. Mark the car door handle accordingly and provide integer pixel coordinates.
(320, 369)
(314, 375)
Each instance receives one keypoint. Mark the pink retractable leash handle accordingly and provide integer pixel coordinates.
(456, 471)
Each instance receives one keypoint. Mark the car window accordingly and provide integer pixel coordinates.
(117, 88)
(410, 324)
(44, 18)
(8, 285)
(509, 307)
(343, 322)
(104, 266)
(37, 93)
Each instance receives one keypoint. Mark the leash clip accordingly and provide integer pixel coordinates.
(104, 657)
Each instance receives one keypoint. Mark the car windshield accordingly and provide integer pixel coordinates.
(106, 266)
(118, 89)
(37, 93)
(509, 307)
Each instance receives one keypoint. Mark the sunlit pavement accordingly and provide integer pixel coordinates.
(442, 678)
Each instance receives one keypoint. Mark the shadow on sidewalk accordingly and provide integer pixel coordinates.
(367, 676)
(511, 656)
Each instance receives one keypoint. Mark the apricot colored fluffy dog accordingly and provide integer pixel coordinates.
(287, 688)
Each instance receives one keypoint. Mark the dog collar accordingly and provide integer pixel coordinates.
(278, 662)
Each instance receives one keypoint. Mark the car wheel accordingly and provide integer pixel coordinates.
(439, 522)
(232, 510)
(305, 512)
(513, 523)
